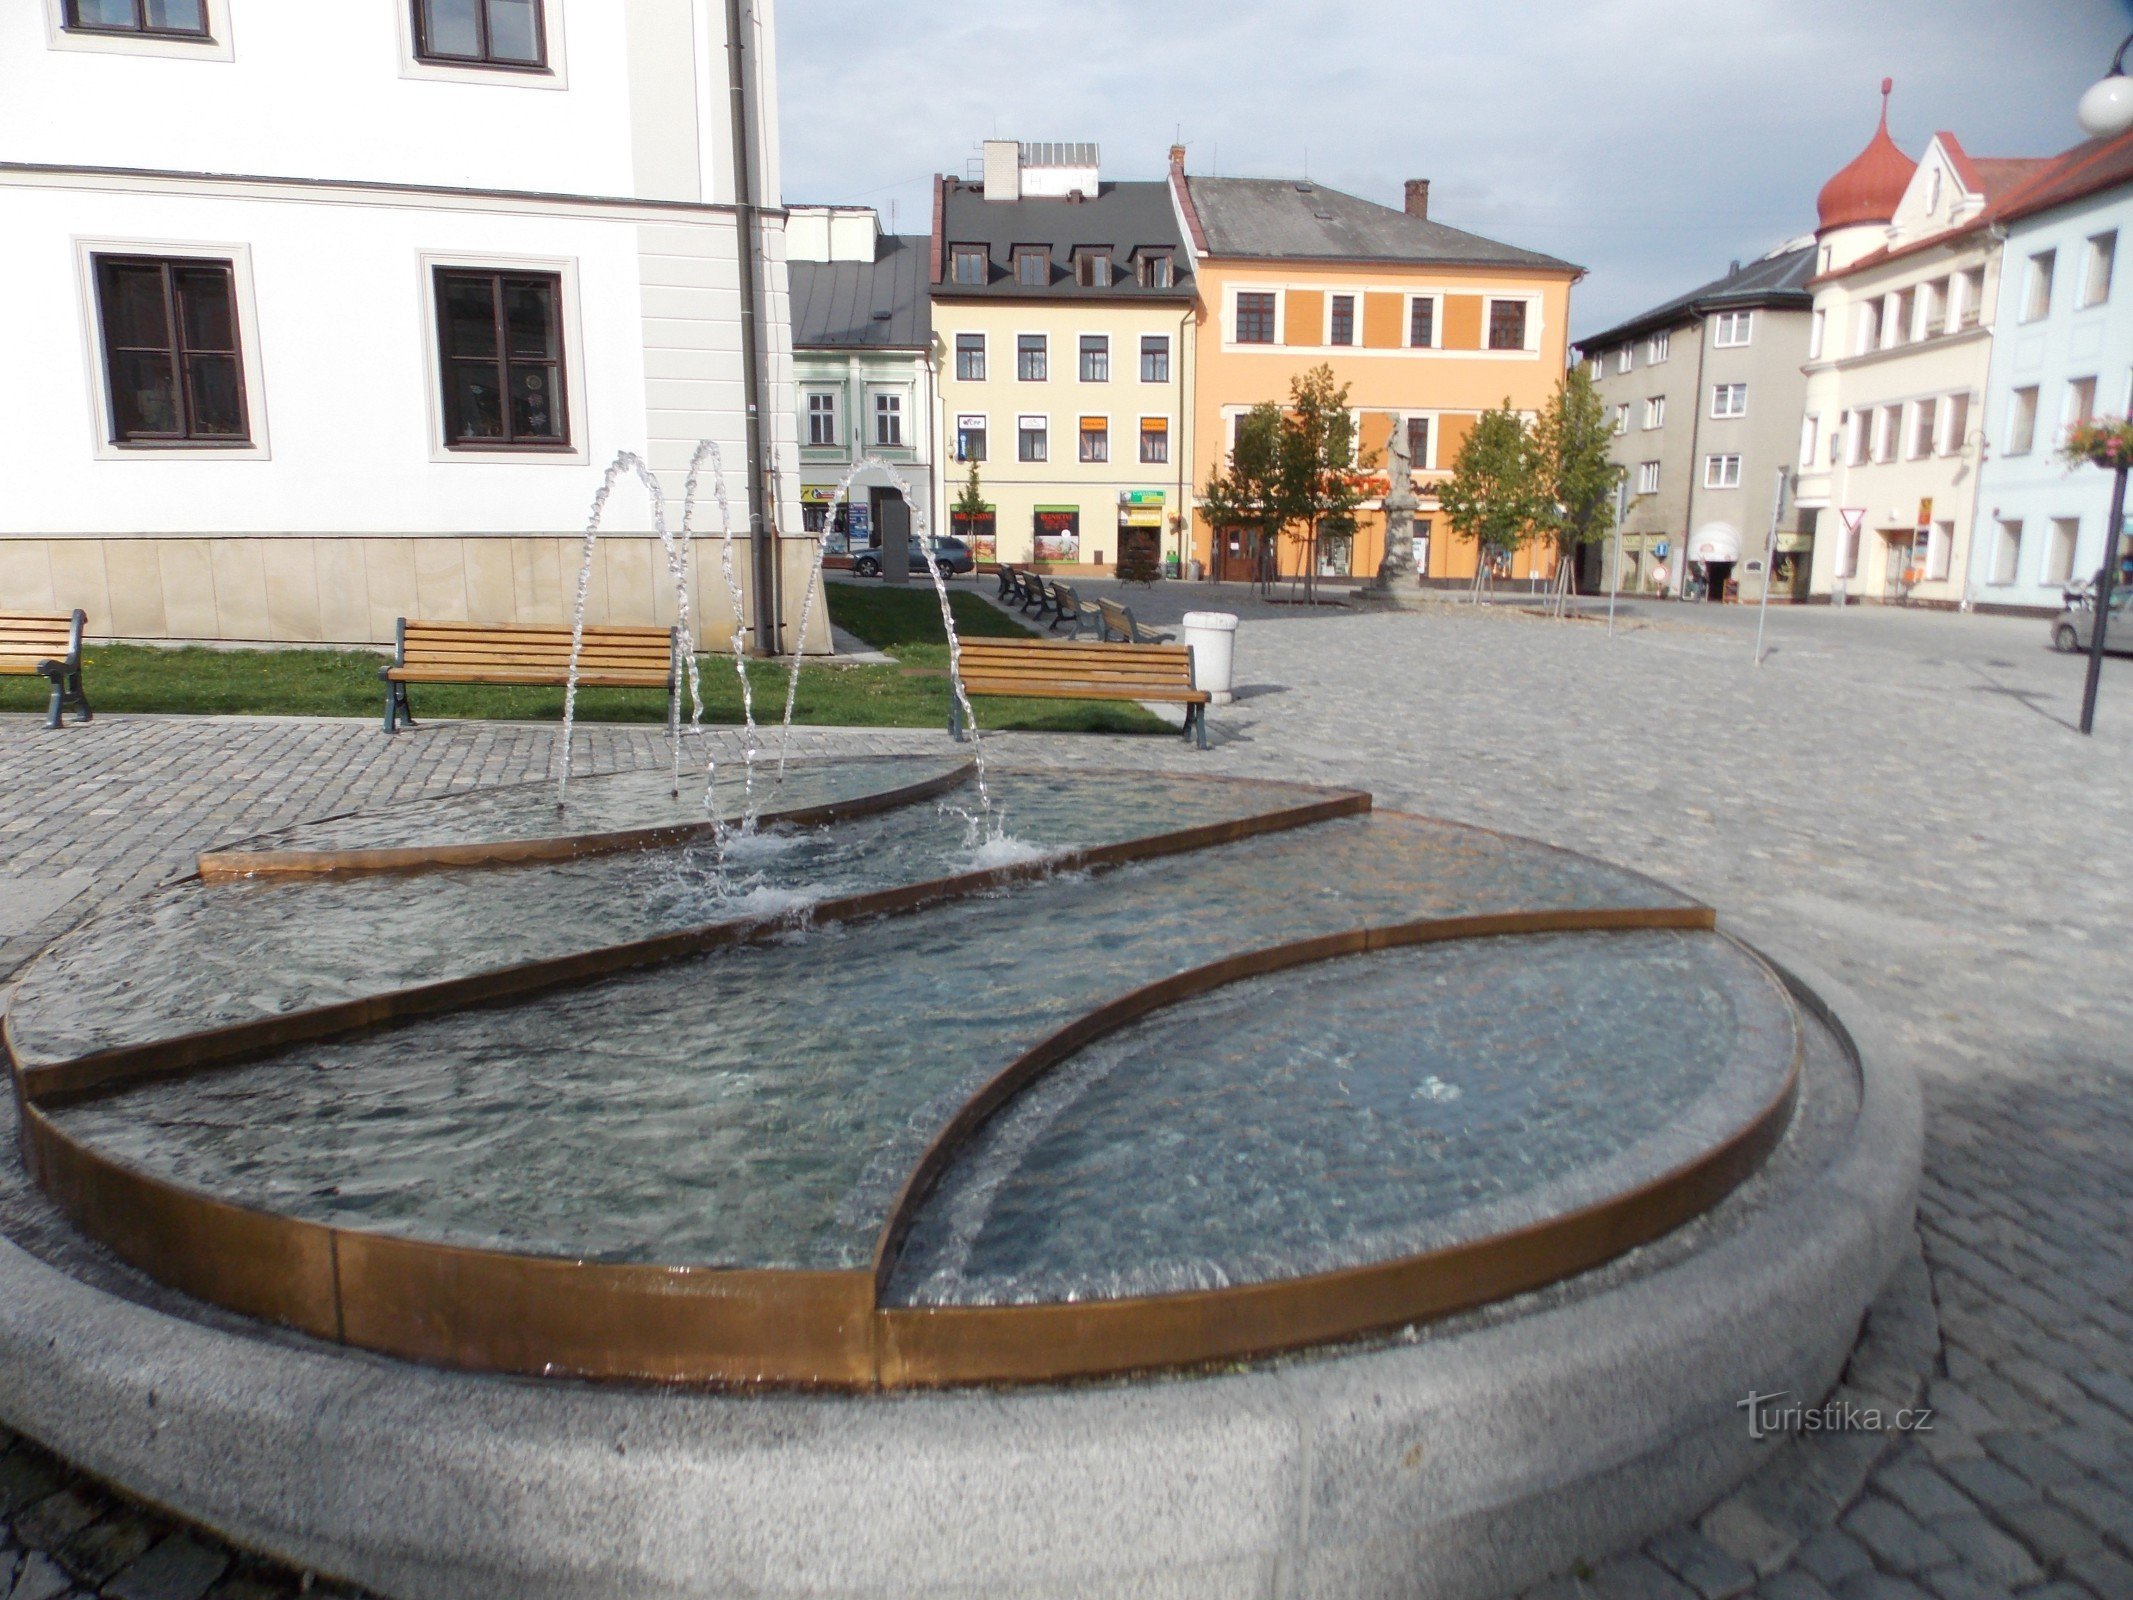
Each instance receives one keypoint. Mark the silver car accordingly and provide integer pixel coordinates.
(2074, 628)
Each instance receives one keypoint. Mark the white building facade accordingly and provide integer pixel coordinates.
(2063, 354)
(336, 314)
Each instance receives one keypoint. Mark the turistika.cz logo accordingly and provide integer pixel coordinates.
(1770, 1418)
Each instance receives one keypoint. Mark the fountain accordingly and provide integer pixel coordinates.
(1223, 1184)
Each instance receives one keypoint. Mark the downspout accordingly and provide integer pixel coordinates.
(1703, 345)
(762, 539)
(1180, 446)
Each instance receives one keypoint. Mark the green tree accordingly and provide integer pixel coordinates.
(1250, 494)
(1321, 464)
(971, 502)
(1577, 474)
(1496, 496)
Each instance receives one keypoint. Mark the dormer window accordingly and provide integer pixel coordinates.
(162, 19)
(478, 33)
(1033, 266)
(1092, 269)
(970, 265)
(1158, 271)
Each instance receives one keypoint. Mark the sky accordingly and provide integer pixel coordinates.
(1650, 141)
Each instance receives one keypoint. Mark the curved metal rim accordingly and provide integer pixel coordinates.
(235, 862)
(501, 1311)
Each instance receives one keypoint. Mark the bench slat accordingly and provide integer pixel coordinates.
(539, 676)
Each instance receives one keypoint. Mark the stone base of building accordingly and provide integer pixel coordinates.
(352, 589)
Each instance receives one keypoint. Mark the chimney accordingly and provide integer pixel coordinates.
(1418, 198)
(1003, 169)
(1177, 158)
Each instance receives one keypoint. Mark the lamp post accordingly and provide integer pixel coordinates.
(2105, 112)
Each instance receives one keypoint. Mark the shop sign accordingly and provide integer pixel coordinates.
(1662, 549)
(1925, 513)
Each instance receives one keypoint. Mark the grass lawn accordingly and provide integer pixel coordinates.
(344, 683)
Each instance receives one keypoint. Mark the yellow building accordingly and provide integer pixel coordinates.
(1062, 308)
(1429, 327)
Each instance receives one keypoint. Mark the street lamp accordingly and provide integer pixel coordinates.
(2105, 112)
(2107, 109)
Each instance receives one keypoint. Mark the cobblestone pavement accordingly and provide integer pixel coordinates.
(1896, 796)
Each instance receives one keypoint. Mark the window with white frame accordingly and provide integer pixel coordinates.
(1625, 358)
(1507, 324)
(1155, 358)
(1721, 472)
(1729, 400)
(888, 418)
(1855, 438)
(1340, 319)
(1972, 294)
(1155, 441)
(1940, 552)
(1734, 329)
(1918, 442)
(2022, 421)
(1033, 357)
(1655, 412)
(1888, 432)
(1895, 319)
(2037, 285)
(1817, 327)
(970, 357)
(1954, 423)
(1932, 309)
(1095, 439)
(1033, 438)
(1660, 347)
(1621, 420)
(970, 438)
(1095, 358)
(1810, 431)
(1648, 477)
(2059, 549)
(2080, 403)
(1866, 327)
(2007, 550)
(822, 419)
(183, 19)
(1599, 368)
(2099, 265)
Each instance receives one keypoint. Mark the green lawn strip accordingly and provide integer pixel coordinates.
(889, 618)
(344, 683)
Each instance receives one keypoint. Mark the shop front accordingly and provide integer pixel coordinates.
(1056, 536)
(1141, 514)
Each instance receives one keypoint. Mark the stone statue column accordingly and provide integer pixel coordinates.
(1400, 504)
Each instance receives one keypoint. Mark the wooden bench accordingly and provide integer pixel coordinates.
(1072, 608)
(1119, 626)
(48, 648)
(1045, 669)
(471, 652)
(1010, 582)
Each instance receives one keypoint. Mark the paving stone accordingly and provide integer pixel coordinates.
(1793, 1586)
(2112, 1388)
(1894, 1537)
(1833, 1556)
(1922, 1491)
(2101, 1506)
(1983, 1549)
(2028, 1455)
(1744, 1533)
(1880, 1586)
(57, 1518)
(1990, 1484)
(25, 1478)
(1638, 1577)
(2048, 1532)
(1959, 1583)
(176, 1569)
(2107, 1575)
(103, 1549)
(1700, 1564)
(1554, 1589)
(41, 1578)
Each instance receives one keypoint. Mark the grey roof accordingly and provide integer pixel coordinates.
(864, 305)
(1295, 220)
(1121, 219)
(1778, 281)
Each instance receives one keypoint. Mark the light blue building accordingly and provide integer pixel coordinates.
(2062, 353)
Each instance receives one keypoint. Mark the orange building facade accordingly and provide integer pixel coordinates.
(1427, 325)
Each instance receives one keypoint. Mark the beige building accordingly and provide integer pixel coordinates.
(1062, 320)
(1898, 357)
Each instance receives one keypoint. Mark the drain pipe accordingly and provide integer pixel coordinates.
(762, 539)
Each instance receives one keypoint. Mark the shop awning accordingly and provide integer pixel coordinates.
(1715, 541)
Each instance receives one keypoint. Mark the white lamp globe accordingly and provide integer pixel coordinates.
(2107, 109)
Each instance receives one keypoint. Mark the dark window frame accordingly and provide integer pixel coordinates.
(1095, 358)
(484, 60)
(1497, 309)
(1033, 444)
(1158, 270)
(980, 436)
(888, 408)
(824, 414)
(1033, 358)
(177, 353)
(502, 362)
(1093, 444)
(1092, 268)
(1159, 437)
(1025, 256)
(70, 19)
(1258, 312)
(1418, 459)
(959, 254)
(1155, 358)
(1422, 319)
(1340, 321)
(971, 359)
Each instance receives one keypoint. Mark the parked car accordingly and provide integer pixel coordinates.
(953, 555)
(2074, 628)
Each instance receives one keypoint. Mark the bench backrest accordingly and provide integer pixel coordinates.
(1118, 619)
(1068, 599)
(475, 645)
(26, 637)
(1165, 665)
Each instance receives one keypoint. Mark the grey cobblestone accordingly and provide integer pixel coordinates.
(1894, 1538)
(1700, 1564)
(1896, 794)
(1984, 1550)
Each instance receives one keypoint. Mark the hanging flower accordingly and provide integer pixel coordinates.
(2105, 441)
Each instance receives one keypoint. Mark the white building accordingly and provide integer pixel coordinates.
(334, 314)
(2063, 353)
(1898, 354)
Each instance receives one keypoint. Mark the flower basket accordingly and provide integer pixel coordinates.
(2106, 441)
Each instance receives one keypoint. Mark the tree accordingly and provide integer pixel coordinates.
(1321, 465)
(1496, 495)
(1249, 495)
(1578, 475)
(970, 509)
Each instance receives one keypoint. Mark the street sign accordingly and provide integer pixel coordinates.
(1854, 519)
(1925, 513)
(1661, 549)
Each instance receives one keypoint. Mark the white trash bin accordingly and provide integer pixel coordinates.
(1213, 637)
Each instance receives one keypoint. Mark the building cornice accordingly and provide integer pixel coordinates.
(358, 191)
(1916, 347)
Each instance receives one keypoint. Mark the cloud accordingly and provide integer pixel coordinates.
(1651, 141)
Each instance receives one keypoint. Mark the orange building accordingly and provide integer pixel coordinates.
(1427, 325)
